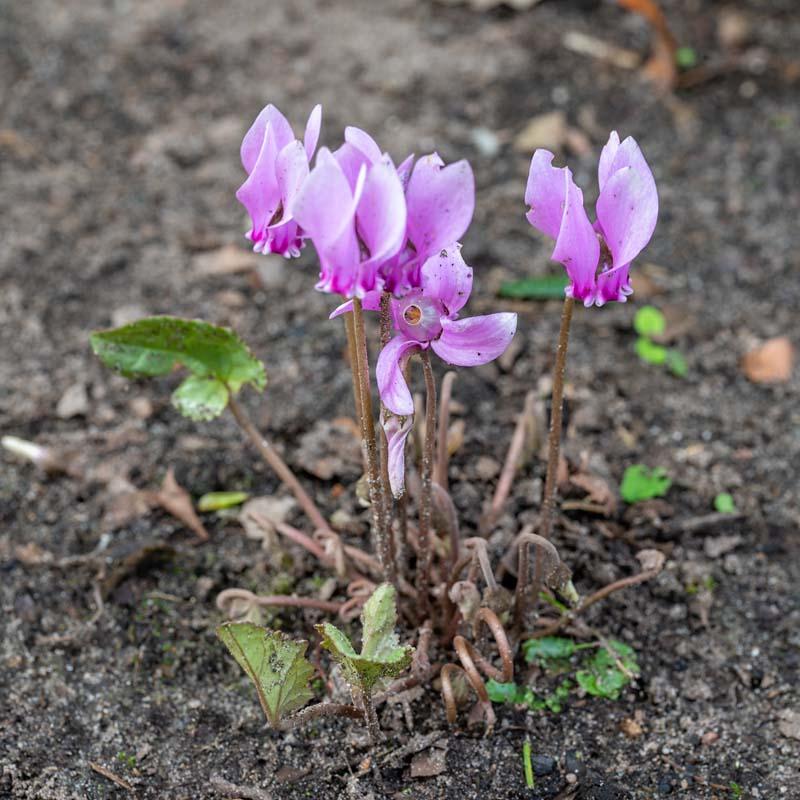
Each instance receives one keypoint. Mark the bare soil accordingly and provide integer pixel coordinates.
(119, 131)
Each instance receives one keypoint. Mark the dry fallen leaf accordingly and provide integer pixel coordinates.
(599, 496)
(661, 68)
(544, 130)
(770, 363)
(175, 500)
(227, 260)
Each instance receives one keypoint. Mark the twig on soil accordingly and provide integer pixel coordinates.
(515, 450)
(229, 789)
(109, 775)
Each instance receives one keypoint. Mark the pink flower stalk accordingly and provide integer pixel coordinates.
(276, 165)
(427, 317)
(597, 257)
(352, 206)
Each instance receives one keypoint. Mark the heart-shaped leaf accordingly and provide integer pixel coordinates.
(219, 361)
(276, 664)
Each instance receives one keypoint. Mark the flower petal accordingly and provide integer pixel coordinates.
(613, 285)
(311, 136)
(441, 201)
(607, 157)
(577, 247)
(371, 301)
(381, 215)
(364, 143)
(254, 138)
(627, 208)
(260, 193)
(475, 340)
(446, 277)
(397, 430)
(545, 194)
(404, 171)
(392, 386)
(291, 169)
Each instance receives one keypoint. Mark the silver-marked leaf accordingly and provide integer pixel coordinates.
(276, 664)
(156, 345)
(201, 399)
(382, 656)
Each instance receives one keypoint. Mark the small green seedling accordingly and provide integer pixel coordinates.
(640, 483)
(736, 790)
(545, 287)
(381, 657)
(515, 695)
(685, 57)
(650, 323)
(723, 503)
(530, 782)
(219, 362)
(551, 652)
(218, 501)
(609, 671)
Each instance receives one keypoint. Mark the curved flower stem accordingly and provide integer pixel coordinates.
(270, 455)
(321, 710)
(385, 318)
(554, 438)
(426, 490)
(227, 597)
(547, 559)
(360, 360)
(442, 453)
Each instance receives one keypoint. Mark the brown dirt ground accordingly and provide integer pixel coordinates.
(119, 131)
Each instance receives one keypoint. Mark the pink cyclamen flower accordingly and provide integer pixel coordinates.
(352, 206)
(597, 257)
(276, 165)
(427, 317)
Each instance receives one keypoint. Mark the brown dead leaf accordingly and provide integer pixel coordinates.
(544, 130)
(429, 763)
(631, 728)
(31, 555)
(175, 500)
(770, 363)
(259, 517)
(598, 492)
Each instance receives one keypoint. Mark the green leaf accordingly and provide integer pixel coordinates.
(200, 399)
(382, 656)
(528, 766)
(685, 57)
(276, 664)
(547, 287)
(548, 648)
(649, 322)
(157, 345)
(217, 501)
(640, 483)
(604, 678)
(502, 692)
(676, 363)
(723, 503)
(650, 352)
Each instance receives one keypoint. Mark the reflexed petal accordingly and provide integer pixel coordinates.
(545, 194)
(260, 193)
(325, 206)
(371, 301)
(352, 161)
(404, 171)
(311, 136)
(291, 169)
(577, 247)
(627, 208)
(397, 430)
(254, 138)
(381, 214)
(475, 340)
(441, 201)
(392, 386)
(363, 142)
(607, 156)
(613, 285)
(446, 277)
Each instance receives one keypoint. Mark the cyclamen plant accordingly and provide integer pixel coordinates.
(388, 241)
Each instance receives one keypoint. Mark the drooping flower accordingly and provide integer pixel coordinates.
(277, 165)
(597, 257)
(352, 207)
(428, 317)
